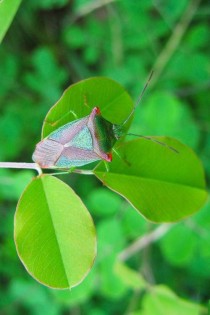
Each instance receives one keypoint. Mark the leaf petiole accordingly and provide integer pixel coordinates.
(22, 165)
(35, 166)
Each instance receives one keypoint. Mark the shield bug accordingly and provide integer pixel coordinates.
(83, 141)
(78, 143)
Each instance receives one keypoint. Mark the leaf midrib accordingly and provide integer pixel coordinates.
(48, 205)
(152, 180)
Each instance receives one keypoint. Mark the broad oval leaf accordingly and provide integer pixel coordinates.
(54, 233)
(164, 186)
(78, 100)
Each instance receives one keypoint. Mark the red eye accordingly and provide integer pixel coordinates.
(98, 112)
(109, 157)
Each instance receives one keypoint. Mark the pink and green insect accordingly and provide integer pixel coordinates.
(83, 141)
(78, 143)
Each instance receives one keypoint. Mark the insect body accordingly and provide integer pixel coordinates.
(84, 141)
(78, 143)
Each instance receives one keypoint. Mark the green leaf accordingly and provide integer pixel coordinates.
(78, 295)
(129, 277)
(161, 300)
(96, 311)
(33, 296)
(8, 9)
(10, 67)
(114, 102)
(179, 245)
(171, 10)
(164, 114)
(111, 238)
(47, 77)
(111, 241)
(11, 142)
(97, 206)
(200, 227)
(12, 184)
(193, 71)
(133, 224)
(74, 36)
(111, 286)
(162, 185)
(197, 37)
(54, 233)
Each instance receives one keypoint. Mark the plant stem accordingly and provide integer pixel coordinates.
(174, 40)
(39, 170)
(144, 241)
(21, 165)
(90, 7)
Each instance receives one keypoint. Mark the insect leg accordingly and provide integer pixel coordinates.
(66, 171)
(74, 114)
(122, 158)
(154, 140)
(107, 171)
(106, 166)
(54, 123)
(86, 101)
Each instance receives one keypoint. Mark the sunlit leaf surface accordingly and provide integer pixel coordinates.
(164, 186)
(54, 233)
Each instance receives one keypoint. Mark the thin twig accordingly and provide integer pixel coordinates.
(144, 241)
(90, 7)
(23, 165)
(174, 40)
(116, 34)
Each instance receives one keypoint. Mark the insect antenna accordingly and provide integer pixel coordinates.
(144, 89)
(140, 97)
(137, 103)
(154, 140)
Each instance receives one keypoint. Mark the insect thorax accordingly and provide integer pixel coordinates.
(107, 133)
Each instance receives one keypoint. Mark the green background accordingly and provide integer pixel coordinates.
(54, 43)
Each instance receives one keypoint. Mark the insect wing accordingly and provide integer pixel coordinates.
(47, 153)
(68, 146)
(73, 156)
(67, 132)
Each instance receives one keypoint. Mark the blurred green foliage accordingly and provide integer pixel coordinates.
(54, 43)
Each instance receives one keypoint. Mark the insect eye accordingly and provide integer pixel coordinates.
(109, 157)
(98, 112)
